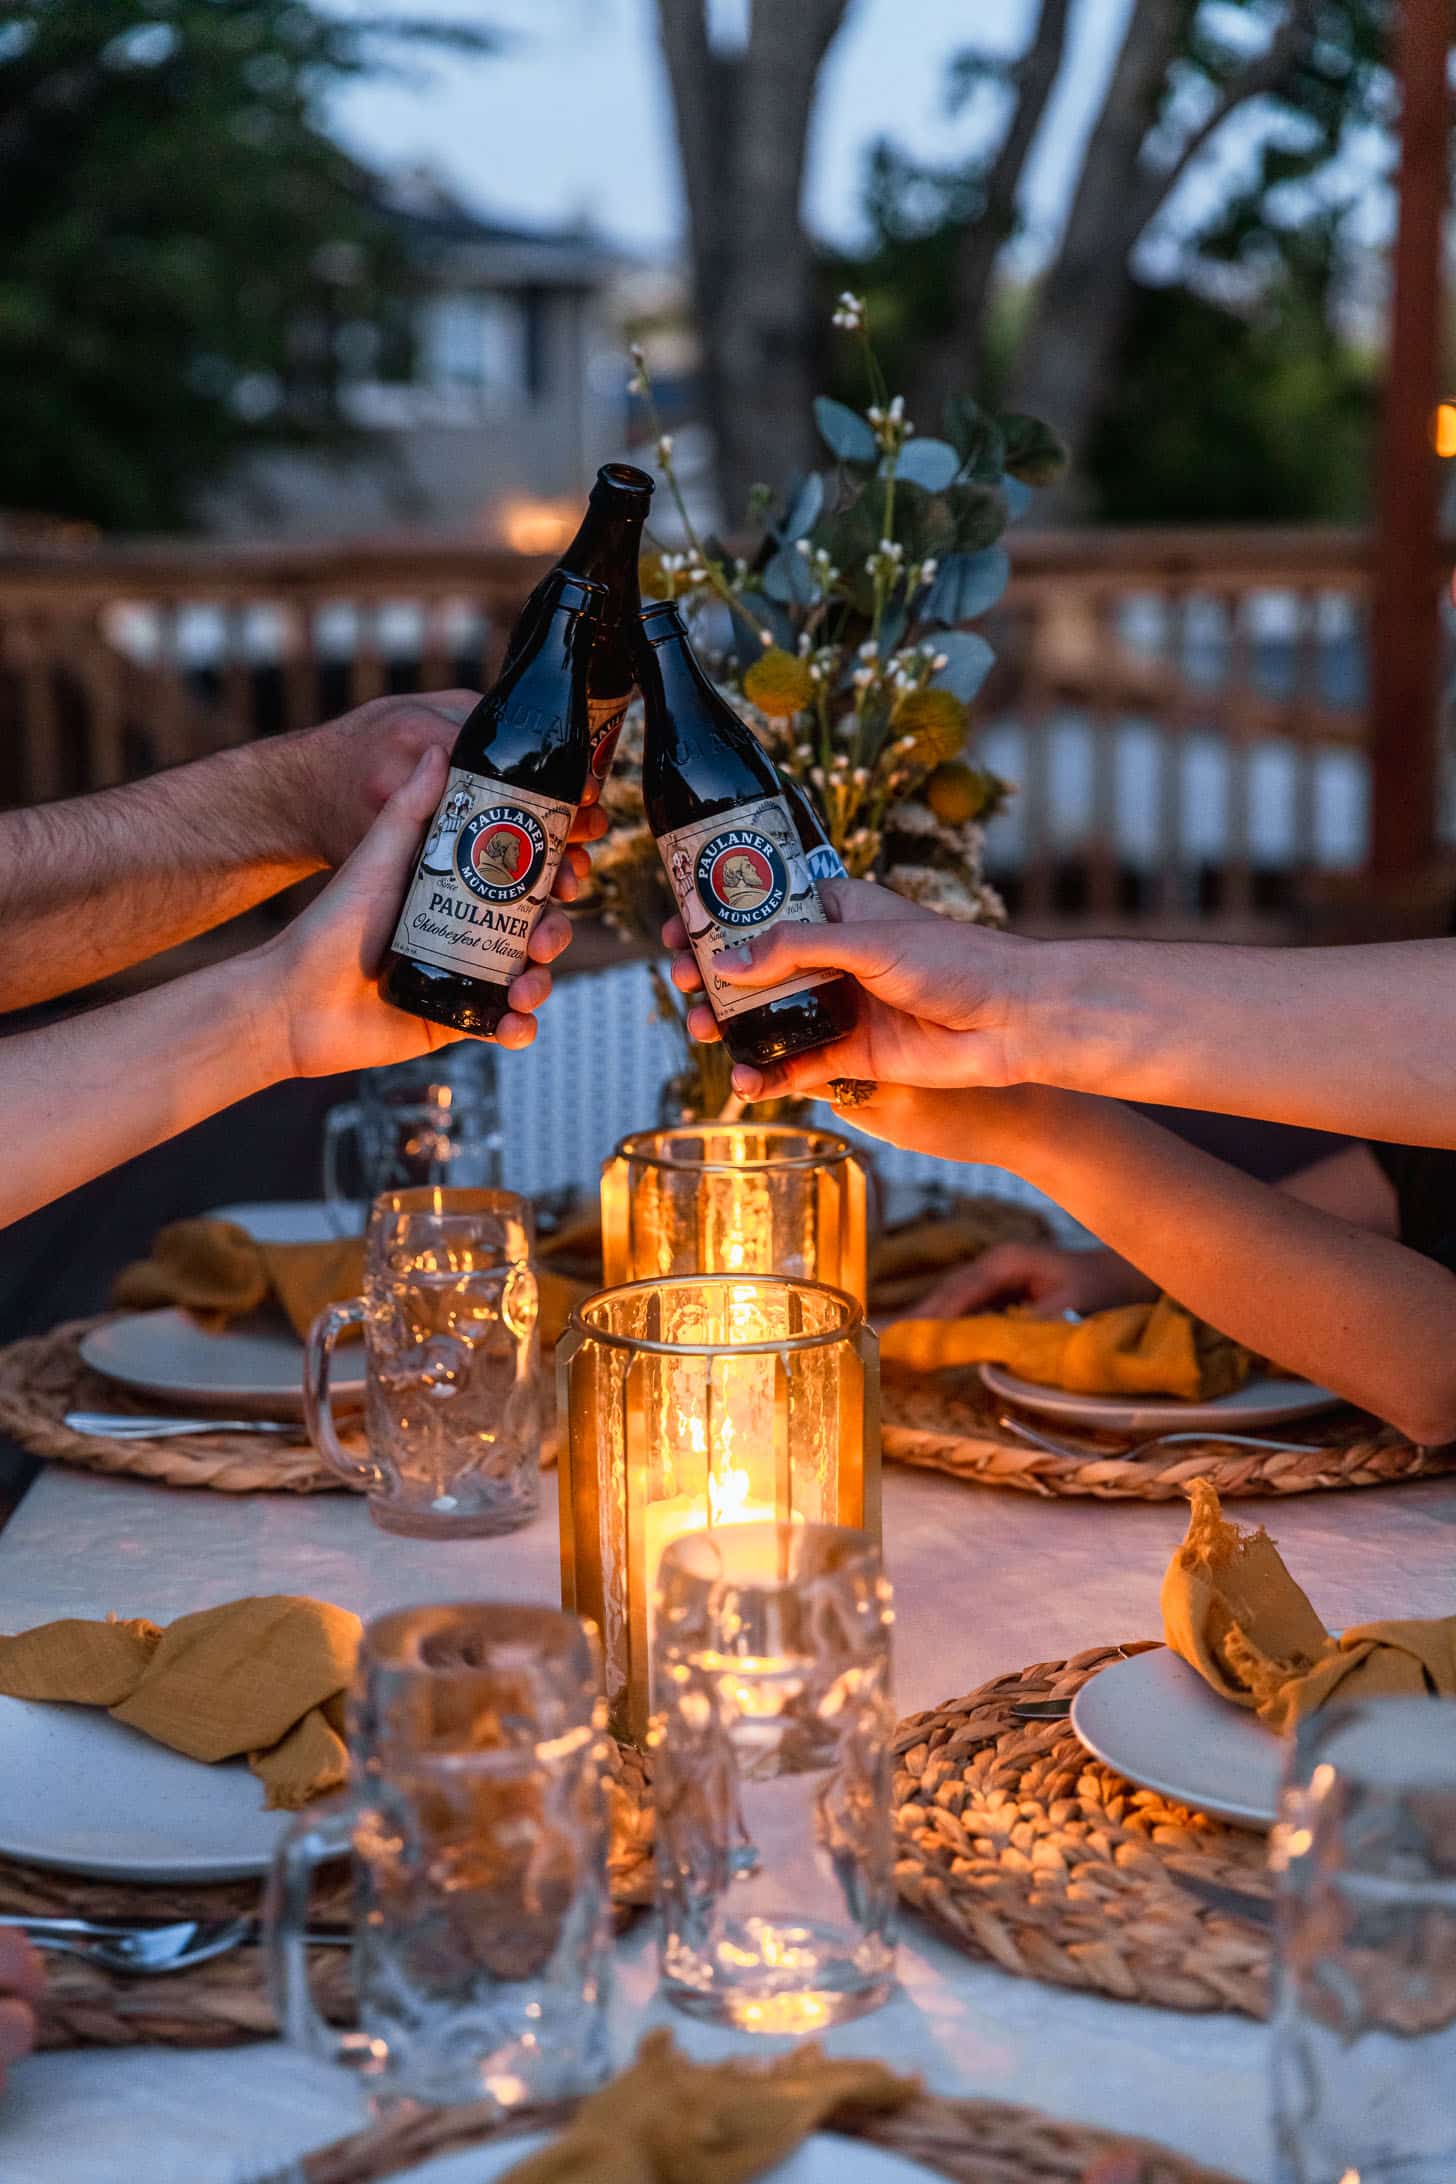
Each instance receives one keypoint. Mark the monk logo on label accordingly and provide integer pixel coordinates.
(500, 853)
(741, 877)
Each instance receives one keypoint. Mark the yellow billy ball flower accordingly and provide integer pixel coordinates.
(779, 684)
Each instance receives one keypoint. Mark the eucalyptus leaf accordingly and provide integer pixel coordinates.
(804, 506)
(1017, 496)
(967, 584)
(931, 463)
(968, 661)
(787, 577)
(978, 514)
(745, 644)
(844, 431)
(976, 437)
(1033, 451)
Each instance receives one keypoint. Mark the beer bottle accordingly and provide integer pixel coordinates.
(731, 848)
(491, 853)
(604, 550)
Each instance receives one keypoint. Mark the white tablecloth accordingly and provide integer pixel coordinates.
(984, 1582)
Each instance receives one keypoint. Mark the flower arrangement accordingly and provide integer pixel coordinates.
(843, 641)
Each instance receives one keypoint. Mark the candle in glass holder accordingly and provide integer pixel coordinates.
(731, 1198)
(697, 1401)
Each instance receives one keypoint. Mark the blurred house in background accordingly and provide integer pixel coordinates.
(485, 410)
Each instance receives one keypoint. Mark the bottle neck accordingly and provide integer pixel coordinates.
(608, 544)
(563, 632)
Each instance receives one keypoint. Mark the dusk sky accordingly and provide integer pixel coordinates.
(575, 117)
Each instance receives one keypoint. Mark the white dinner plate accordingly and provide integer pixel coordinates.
(1156, 1721)
(81, 1792)
(254, 1367)
(293, 1220)
(1267, 1402)
(822, 2159)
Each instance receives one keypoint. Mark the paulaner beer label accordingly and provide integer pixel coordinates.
(483, 878)
(732, 876)
(604, 718)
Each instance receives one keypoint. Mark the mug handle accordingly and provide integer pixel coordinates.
(308, 1842)
(339, 1123)
(318, 1406)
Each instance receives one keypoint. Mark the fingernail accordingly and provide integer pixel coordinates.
(747, 1083)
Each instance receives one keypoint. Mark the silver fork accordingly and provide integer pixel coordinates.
(138, 1949)
(1038, 1439)
(122, 1945)
(121, 1426)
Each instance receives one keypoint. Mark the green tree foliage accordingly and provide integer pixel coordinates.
(1166, 321)
(182, 247)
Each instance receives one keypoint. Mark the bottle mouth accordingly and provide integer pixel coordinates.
(626, 478)
(662, 621)
(579, 594)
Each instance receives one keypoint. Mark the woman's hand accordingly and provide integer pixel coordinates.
(22, 1984)
(939, 1001)
(1046, 1278)
(317, 980)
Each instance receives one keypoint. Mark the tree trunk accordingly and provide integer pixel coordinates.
(1070, 346)
(742, 126)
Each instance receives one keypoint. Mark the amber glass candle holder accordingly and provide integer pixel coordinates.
(735, 1198)
(703, 1400)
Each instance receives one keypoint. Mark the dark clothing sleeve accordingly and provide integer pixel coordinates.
(1424, 1178)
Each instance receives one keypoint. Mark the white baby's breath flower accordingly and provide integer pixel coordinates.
(664, 450)
(765, 638)
(806, 644)
(802, 546)
(869, 650)
(637, 354)
(939, 660)
(849, 311)
(928, 570)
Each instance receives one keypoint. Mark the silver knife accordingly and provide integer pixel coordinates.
(1235, 1903)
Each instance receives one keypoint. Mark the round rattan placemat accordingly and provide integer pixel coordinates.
(43, 1376)
(947, 1422)
(225, 2001)
(968, 2141)
(1024, 1849)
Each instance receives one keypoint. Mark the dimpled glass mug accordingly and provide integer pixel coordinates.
(433, 1120)
(477, 1826)
(452, 1405)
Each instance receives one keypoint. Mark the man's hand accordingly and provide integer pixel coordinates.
(317, 980)
(938, 1004)
(356, 763)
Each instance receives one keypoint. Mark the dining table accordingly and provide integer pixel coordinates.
(985, 1581)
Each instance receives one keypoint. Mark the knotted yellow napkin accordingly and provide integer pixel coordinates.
(667, 2120)
(1136, 1349)
(1234, 1613)
(264, 1677)
(218, 1272)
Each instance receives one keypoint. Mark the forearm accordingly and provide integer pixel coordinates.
(1352, 1311)
(92, 886)
(132, 1075)
(1355, 1040)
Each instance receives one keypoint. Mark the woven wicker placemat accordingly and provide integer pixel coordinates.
(947, 1422)
(1026, 1850)
(43, 1376)
(225, 2001)
(969, 2141)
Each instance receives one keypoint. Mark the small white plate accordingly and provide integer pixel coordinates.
(1258, 1403)
(81, 1792)
(822, 2159)
(254, 1367)
(1156, 1721)
(293, 1220)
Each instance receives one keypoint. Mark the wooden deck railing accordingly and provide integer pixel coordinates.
(1182, 712)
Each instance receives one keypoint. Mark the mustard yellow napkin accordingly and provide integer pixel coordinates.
(1233, 1612)
(667, 2120)
(1136, 1349)
(218, 1272)
(264, 1677)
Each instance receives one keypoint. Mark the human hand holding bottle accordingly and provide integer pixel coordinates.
(940, 1003)
(316, 981)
